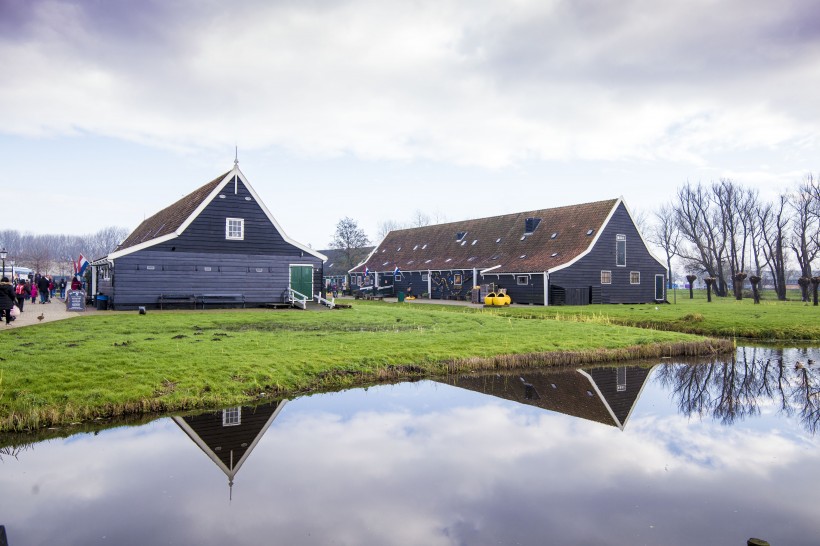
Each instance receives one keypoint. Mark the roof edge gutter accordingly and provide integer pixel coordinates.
(483, 271)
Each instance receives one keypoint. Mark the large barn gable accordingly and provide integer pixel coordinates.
(171, 222)
(531, 241)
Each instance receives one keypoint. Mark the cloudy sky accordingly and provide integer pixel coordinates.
(111, 110)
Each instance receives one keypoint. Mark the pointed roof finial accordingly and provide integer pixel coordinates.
(236, 156)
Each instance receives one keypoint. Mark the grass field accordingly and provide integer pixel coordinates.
(125, 363)
(770, 320)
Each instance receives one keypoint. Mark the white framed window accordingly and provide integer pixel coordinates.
(235, 228)
(106, 273)
(457, 279)
(634, 277)
(620, 250)
(522, 280)
(606, 277)
(425, 277)
(231, 417)
(398, 277)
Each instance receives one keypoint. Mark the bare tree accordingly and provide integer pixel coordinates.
(664, 233)
(387, 226)
(773, 219)
(420, 219)
(349, 238)
(804, 238)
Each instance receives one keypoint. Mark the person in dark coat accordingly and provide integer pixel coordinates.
(62, 288)
(22, 291)
(42, 289)
(7, 298)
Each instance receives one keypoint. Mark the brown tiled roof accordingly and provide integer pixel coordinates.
(495, 241)
(170, 218)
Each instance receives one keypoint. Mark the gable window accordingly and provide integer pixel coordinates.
(523, 280)
(235, 228)
(606, 277)
(620, 250)
(231, 417)
(634, 277)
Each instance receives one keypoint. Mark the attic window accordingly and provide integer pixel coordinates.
(235, 229)
(415, 247)
(522, 256)
(554, 235)
(383, 250)
(498, 240)
(463, 243)
(385, 263)
(448, 260)
(398, 249)
(423, 247)
(427, 261)
(474, 242)
(590, 232)
(554, 254)
(530, 224)
(460, 236)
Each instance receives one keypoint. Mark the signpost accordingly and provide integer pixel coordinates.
(75, 300)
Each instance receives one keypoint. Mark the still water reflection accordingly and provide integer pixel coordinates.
(674, 453)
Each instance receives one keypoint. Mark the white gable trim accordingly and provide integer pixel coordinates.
(366, 260)
(600, 232)
(207, 201)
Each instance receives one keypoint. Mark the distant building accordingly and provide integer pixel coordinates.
(337, 265)
(217, 246)
(574, 255)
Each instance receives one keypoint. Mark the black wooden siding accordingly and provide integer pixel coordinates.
(584, 276)
(260, 278)
(206, 233)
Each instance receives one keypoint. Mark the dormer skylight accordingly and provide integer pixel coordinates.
(474, 242)
(448, 260)
(398, 249)
(590, 232)
(463, 243)
(427, 261)
(523, 256)
(498, 240)
(423, 247)
(554, 235)
(530, 224)
(416, 247)
(460, 236)
(554, 254)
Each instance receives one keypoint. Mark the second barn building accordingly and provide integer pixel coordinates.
(573, 255)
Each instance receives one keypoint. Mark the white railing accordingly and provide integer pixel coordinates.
(330, 303)
(297, 298)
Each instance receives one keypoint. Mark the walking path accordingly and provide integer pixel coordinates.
(49, 311)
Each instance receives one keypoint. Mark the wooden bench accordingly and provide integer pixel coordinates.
(205, 299)
(165, 299)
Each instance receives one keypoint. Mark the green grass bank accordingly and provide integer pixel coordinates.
(116, 364)
(770, 320)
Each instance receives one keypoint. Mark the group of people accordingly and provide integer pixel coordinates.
(15, 294)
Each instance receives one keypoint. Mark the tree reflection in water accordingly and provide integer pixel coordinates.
(755, 377)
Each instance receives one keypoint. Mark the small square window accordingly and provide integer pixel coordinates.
(232, 417)
(634, 277)
(522, 280)
(425, 277)
(235, 228)
(457, 279)
(606, 277)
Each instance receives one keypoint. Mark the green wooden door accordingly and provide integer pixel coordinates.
(301, 279)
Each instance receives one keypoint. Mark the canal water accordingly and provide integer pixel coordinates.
(665, 452)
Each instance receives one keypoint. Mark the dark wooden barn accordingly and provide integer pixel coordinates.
(574, 255)
(228, 436)
(217, 246)
(603, 395)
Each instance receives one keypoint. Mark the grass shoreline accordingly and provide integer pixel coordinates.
(118, 364)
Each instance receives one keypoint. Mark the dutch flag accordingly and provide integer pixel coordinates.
(366, 271)
(82, 264)
(397, 271)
